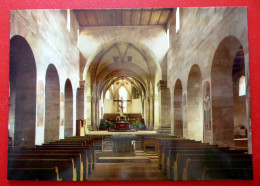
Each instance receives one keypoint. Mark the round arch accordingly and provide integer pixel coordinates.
(194, 104)
(52, 105)
(22, 111)
(223, 80)
(68, 111)
(178, 123)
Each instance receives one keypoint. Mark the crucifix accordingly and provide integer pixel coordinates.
(120, 105)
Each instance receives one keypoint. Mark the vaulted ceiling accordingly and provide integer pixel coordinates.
(123, 17)
(122, 60)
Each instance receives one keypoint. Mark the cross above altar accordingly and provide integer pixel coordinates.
(120, 104)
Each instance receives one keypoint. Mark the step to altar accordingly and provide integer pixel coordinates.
(107, 156)
(130, 159)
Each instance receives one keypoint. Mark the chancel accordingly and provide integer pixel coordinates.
(129, 94)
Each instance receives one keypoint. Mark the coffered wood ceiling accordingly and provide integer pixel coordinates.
(123, 17)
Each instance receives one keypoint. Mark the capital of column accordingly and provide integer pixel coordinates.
(162, 84)
(82, 84)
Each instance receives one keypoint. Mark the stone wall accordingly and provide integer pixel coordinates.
(52, 43)
(201, 32)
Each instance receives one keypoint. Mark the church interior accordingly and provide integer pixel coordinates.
(129, 94)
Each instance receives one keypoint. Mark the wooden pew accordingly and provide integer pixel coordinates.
(89, 152)
(194, 168)
(85, 156)
(182, 159)
(227, 174)
(172, 157)
(182, 145)
(81, 143)
(166, 144)
(98, 141)
(51, 174)
(87, 141)
(76, 157)
(66, 167)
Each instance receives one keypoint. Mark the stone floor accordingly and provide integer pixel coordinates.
(141, 167)
(134, 171)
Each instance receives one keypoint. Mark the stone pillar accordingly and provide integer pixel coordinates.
(81, 103)
(248, 111)
(151, 105)
(164, 108)
(147, 113)
(93, 111)
(156, 111)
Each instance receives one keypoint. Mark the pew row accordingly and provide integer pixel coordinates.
(51, 174)
(67, 171)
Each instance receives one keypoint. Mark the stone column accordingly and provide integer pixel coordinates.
(146, 113)
(164, 108)
(81, 104)
(248, 110)
(93, 111)
(151, 105)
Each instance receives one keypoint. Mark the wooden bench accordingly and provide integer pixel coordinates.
(171, 160)
(171, 143)
(88, 153)
(227, 174)
(51, 174)
(194, 168)
(76, 157)
(66, 167)
(85, 155)
(182, 159)
(186, 145)
(87, 141)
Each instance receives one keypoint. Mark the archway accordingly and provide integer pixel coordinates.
(52, 105)
(224, 77)
(22, 113)
(194, 104)
(178, 124)
(68, 129)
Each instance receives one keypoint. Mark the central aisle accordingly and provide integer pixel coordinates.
(129, 171)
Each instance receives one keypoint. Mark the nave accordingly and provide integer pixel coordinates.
(95, 157)
(188, 96)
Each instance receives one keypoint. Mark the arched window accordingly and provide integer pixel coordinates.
(107, 96)
(177, 19)
(123, 96)
(242, 86)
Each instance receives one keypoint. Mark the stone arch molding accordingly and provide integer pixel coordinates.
(23, 85)
(221, 82)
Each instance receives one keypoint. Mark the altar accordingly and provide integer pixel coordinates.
(122, 125)
(123, 144)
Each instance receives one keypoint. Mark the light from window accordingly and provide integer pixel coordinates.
(242, 86)
(123, 96)
(177, 19)
(107, 96)
(168, 37)
(68, 19)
